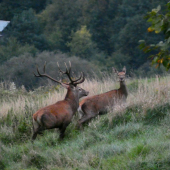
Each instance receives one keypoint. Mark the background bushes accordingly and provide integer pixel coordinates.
(20, 69)
(106, 34)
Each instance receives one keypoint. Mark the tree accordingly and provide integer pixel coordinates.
(81, 44)
(20, 69)
(59, 19)
(27, 30)
(127, 42)
(12, 48)
(10, 8)
(160, 23)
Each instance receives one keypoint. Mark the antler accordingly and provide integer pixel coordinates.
(67, 72)
(81, 79)
(46, 75)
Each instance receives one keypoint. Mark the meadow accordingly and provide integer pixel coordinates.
(132, 136)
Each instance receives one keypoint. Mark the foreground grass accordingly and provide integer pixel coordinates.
(135, 136)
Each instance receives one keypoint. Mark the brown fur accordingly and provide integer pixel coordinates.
(92, 106)
(59, 115)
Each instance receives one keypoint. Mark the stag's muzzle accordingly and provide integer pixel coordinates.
(87, 92)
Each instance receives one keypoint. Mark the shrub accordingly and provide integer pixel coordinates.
(20, 69)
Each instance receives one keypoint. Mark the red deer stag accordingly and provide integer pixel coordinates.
(59, 115)
(92, 106)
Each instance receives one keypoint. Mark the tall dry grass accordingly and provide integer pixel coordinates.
(145, 92)
(51, 96)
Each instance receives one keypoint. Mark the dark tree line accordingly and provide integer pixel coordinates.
(103, 32)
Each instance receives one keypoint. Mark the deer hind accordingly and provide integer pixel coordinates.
(92, 106)
(59, 115)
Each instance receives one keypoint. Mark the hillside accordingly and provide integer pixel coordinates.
(129, 137)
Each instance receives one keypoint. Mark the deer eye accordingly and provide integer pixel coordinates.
(79, 89)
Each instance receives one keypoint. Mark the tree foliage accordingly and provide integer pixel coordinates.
(10, 8)
(20, 69)
(59, 19)
(27, 30)
(104, 32)
(160, 23)
(12, 48)
(81, 44)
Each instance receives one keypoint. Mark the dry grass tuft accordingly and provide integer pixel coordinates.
(148, 94)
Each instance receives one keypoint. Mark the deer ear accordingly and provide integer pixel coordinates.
(124, 69)
(114, 70)
(65, 85)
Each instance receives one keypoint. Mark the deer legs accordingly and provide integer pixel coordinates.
(34, 135)
(62, 130)
(85, 119)
(36, 132)
(39, 130)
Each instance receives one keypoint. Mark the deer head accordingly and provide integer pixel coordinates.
(121, 75)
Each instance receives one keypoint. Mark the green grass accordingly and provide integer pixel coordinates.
(135, 137)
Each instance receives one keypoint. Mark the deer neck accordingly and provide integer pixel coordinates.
(123, 87)
(73, 100)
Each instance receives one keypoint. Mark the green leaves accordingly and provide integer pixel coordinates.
(157, 9)
(159, 23)
(81, 44)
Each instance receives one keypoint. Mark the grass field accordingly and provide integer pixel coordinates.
(135, 136)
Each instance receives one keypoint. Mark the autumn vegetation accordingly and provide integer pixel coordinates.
(94, 36)
(131, 136)
(159, 20)
(103, 34)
